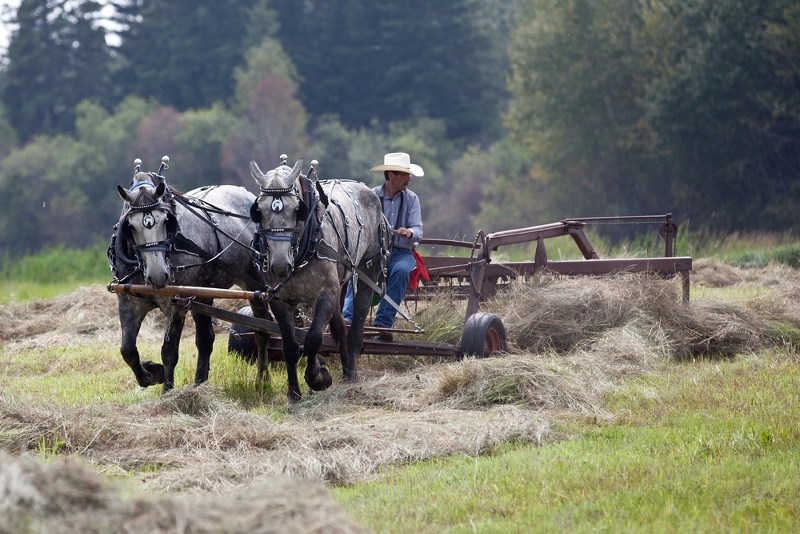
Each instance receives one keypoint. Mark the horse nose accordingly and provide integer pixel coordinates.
(281, 269)
(159, 281)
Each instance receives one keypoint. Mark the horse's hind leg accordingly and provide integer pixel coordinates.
(355, 335)
(339, 334)
(260, 310)
(204, 341)
(284, 315)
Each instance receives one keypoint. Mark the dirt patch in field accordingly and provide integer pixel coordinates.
(572, 340)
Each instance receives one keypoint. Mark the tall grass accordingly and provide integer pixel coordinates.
(54, 265)
(51, 271)
(746, 250)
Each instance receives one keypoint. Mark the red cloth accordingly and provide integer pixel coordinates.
(418, 272)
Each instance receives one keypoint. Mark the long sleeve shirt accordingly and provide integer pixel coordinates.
(402, 211)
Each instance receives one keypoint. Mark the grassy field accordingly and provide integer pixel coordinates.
(702, 447)
(707, 443)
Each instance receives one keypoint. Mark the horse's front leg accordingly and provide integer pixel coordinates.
(170, 347)
(317, 376)
(131, 315)
(204, 341)
(284, 315)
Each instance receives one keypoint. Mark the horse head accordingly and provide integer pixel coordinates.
(149, 222)
(280, 213)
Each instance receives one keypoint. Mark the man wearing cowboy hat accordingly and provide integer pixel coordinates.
(402, 209)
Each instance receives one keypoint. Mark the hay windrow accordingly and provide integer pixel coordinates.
(86, 315)
(566, 315)
(67, 497)
(558, 315)
(715, 273)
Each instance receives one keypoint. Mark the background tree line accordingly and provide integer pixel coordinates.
(521, 112)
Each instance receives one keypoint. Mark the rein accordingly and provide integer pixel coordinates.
(303, 240)
(176, 241)
(189, 204)
(183, 244)
(310, 243)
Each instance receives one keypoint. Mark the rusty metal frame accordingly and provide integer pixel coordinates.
(482, 273)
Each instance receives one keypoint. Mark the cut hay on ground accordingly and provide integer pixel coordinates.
(67, 497)
(87, 315)
(569, 314)
(573, 341)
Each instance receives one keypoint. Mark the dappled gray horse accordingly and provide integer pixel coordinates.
(312, 237)
(201, 238)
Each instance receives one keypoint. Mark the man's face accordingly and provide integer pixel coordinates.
(399, 180)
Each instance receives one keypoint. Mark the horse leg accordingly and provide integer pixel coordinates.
(131, 316)
(284, 315)
(339, 335)
(317, 376)
(204, 341)
(170, 346)
(355, 335)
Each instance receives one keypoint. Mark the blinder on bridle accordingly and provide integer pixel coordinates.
(290, 234)
(123, 249)
(147, 209)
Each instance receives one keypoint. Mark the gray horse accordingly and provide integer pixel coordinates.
(201, 238)
(312, 237)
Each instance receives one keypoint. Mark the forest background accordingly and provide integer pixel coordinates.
(522, 112)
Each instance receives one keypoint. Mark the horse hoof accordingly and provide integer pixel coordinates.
(349, 378)
(320, 382)
(154, 372)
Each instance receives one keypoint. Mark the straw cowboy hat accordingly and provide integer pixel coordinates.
(401, 162)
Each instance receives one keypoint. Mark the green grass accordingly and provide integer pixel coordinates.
(51, 272)
(71, 376)
(744, 250)
(704, 447)
(28, 291)
(88, 374)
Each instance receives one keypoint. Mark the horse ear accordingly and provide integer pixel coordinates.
(296, 174)
(123, 193)
(256, 173)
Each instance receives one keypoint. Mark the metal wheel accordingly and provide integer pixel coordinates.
(484, 335)
(242, 340)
